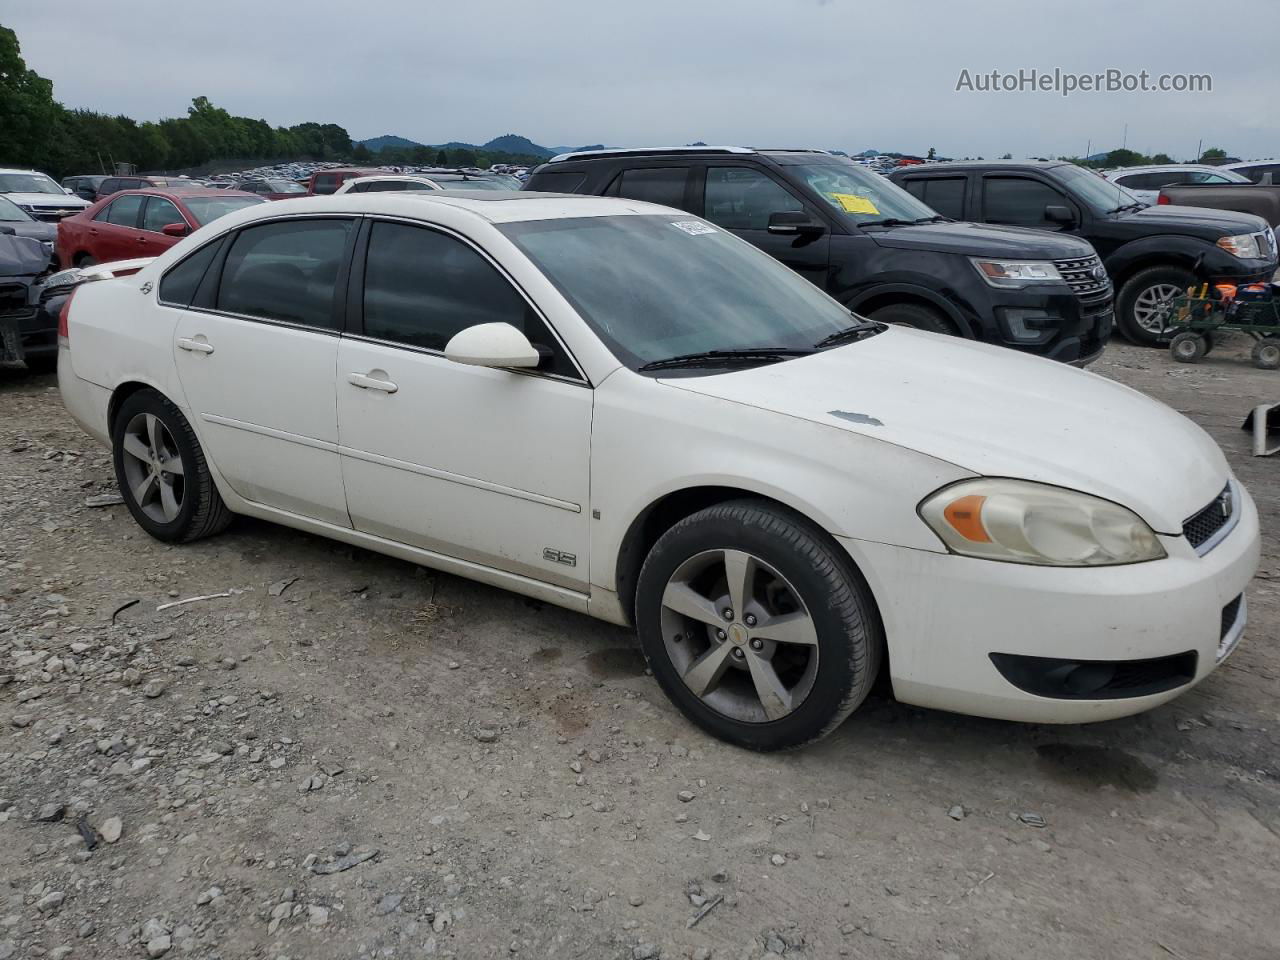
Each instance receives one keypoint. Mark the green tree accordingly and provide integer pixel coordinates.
(361, 154)
(1006, 156)
(1213, 153)
(931, 154)
(1124, 158)
(442, 159)
(28, 112)
(1161, 158)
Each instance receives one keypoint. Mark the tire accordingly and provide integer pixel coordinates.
(1266, 353)
(915, 316)
(803, 584)
(1188, 347)
(1134, 305)
(194, 509)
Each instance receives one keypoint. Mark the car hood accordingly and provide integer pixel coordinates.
(65, 202)
(22, 256)
(1197, 221)
(983, 240)
(995, 412)
(35, 229)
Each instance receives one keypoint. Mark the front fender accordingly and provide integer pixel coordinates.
(907, 290)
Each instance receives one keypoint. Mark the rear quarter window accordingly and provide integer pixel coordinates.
(557, 182)
(179, 285)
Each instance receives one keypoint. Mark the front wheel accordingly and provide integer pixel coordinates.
(1145, 304)
(1266, 353)
(757, 626)
(162, 473)
(915, 316)
(1188, 347)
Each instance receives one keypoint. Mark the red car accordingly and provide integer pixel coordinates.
(141, 223)
(328, 181)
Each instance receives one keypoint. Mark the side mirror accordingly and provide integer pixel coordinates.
(794, 223)
(68, 191)
(1054, 213)
(492, 345)
(175, 229)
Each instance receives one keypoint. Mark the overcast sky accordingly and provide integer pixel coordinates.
(845, 74)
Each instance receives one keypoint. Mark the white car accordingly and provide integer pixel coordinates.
(40, 195)
(1145, 182)
(625, 410)
(400, 182)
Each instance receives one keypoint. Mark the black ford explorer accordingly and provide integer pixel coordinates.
(869, 243)
(1153, 253)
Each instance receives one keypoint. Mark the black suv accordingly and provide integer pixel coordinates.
(1151, 252)
(868, 243)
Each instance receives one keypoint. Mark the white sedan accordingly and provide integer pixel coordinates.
(624, 410)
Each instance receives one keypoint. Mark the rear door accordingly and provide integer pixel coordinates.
(256, 352)
(113, 234)
(741, 199)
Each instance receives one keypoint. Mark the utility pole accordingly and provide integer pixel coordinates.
(1126, 138)
(1199, 150)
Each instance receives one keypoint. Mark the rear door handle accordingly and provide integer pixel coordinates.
(195, 346)
(370, 382)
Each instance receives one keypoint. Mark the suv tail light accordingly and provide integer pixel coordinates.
(64, 333)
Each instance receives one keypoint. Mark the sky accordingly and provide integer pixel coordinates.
(842, 74)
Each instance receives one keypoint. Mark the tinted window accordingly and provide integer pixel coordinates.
(664, 185)
(1258, 173)
(944, 194)
(1017, 200)
(326, 183)
(422, 287)
(159, 213)
(123, 211)
(179, 285)
(285, 271)
(739, 198)
(108, 187)
(207, 209)
(388, 186)
(557, 182)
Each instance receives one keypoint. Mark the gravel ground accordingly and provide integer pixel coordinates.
(342, 755)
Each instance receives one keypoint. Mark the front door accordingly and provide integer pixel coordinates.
(256, 363)
(489, 466)
(742, 198)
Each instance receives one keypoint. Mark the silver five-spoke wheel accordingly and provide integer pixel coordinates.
(739, 635)
(153, 468)
(1153, 306)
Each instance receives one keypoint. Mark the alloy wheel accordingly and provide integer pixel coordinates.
(153, 468)
(739, 636)
(1153, 306)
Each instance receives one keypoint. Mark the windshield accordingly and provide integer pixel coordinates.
(654, 287)
(208, 209)
(10, 212)
(1097, 193)
(468, 183)
(860, 195)
(29, 183)
(285, 186)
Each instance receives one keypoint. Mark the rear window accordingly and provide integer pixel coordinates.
(556, 182)
(208, 209)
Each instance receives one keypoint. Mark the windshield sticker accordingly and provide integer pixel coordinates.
(694, 228)
(852, 203)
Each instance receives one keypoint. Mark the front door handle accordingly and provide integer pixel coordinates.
(198, 345)
(373, 380)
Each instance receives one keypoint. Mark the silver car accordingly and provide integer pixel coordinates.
(1145, 182)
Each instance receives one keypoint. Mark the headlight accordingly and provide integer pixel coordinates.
(1016, 273)
(1246, 246)
(1019, 521)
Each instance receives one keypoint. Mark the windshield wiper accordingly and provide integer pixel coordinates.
(715, 358)
(887, 222)
(936, 218)
(868, 328)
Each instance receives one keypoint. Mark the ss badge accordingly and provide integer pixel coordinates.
(559, 556)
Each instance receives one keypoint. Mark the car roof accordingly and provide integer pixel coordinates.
(1161, 167)
(494, 206)
(622, 153)
(182, 194)
(982, 165)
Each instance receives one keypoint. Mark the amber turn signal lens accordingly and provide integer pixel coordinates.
(965, 517)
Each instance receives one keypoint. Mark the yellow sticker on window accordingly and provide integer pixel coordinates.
(852, 203)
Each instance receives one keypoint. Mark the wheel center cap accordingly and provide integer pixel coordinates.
(737, 634)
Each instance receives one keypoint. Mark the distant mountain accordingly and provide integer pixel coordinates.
(388, 140)
(508, 143)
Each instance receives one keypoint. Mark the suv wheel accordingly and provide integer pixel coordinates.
(1145, 307)
(161, 471)
(757, 626)
(914, 316)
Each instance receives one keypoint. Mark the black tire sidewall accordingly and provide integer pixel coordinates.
(1143, 280)
(837, 676)
(149, 401)
(913, 315)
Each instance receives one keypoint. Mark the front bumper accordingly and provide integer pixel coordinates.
(1073, 330)
(945, 615)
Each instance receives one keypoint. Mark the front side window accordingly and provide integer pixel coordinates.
(1018, 201)
(159, 214)
(740, 198)
(654, 287)
(664, 185)
(326, 183)
(857, 194)
(123, 211)
(422, 287)
(285, 271)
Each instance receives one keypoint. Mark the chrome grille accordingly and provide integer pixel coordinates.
(1079, 273)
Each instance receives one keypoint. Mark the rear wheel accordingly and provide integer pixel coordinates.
(162, 473)
(757, 626)
(1188, 347)
(1266, 353)
(1145, 305)
(915, 316)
